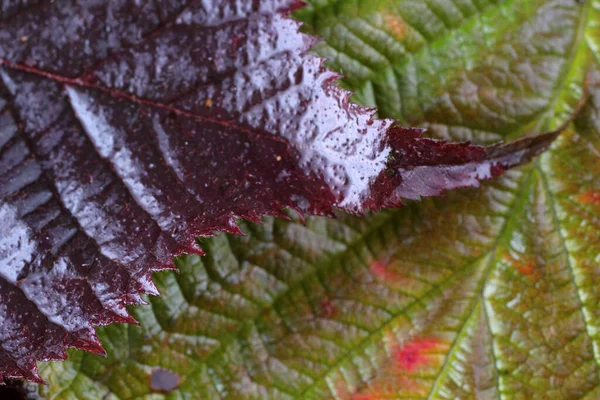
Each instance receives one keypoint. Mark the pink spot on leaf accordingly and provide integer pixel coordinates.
(384, 271)
(415, 354)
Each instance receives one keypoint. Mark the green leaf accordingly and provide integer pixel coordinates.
(486, 294)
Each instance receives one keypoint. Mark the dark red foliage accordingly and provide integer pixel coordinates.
(127, 130)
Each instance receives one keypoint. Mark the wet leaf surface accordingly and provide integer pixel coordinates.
(484, 294)
(130, 128)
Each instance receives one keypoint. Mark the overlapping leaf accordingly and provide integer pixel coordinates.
(488, 294)
(129, 128)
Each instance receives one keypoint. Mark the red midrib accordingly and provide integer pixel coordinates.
(117, 93)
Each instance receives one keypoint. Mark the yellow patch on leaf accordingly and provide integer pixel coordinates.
(396, 25)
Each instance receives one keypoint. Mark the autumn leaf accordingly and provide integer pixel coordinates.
(129, 129)
(484, 294)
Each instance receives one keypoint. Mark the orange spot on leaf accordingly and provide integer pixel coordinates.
(396, 25)
(589, 197)
(415, 354)
(524, 267)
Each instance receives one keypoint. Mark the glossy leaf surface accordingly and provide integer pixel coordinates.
(484, 294)
(130, 128)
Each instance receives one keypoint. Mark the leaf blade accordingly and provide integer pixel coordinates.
(425, 249)
(128, 135)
